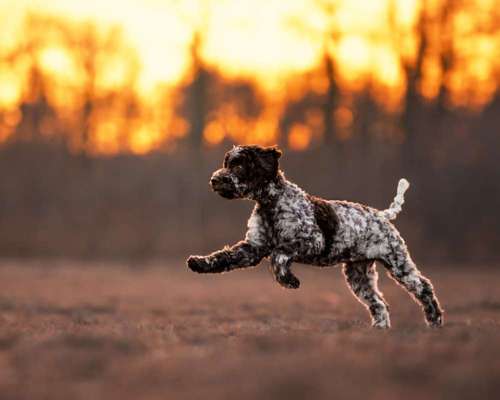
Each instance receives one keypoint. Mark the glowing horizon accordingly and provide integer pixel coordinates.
(241, 38)
(269, 43)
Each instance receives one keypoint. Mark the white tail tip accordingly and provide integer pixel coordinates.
(396, 206)
(403, 186)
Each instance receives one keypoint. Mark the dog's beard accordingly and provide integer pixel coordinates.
(225, 191)
(228, 185)
(227, 194)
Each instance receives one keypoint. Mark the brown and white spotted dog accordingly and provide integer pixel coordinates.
(288, 225)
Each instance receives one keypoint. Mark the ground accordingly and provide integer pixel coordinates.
(157, 331)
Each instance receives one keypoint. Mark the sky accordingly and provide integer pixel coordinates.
(270, 43)
(267, 39)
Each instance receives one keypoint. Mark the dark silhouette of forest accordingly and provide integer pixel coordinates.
(62, 195)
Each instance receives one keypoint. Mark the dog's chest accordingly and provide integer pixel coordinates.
(292, 218)
(289, 224)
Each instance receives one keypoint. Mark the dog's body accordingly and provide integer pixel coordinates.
(290, 225)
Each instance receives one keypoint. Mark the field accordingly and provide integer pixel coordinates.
(71, 330)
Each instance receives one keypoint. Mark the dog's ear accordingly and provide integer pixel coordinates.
(274, 150)
(268, 158)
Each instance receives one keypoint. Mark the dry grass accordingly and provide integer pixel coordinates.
(102, 331)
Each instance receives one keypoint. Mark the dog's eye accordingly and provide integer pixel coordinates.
(238, 169)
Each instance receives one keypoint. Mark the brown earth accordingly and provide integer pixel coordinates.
(73, 330)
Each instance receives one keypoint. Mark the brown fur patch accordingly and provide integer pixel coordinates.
(327, 220)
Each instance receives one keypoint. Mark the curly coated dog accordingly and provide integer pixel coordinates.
(288, 225)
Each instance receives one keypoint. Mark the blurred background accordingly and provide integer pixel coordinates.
(114, 114)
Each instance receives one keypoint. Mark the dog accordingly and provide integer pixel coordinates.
(288, 225)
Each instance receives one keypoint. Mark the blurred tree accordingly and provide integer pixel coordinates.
(329, 36)
(196, 93)
(37, 116)
(446, 52)
(433, 32)
(413, 67)
(330, 40)
(331, 99)
(96, 94)
(95, 52)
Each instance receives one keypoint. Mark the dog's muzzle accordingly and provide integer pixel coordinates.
(222, 184)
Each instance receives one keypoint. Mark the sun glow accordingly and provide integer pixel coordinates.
(111, 69)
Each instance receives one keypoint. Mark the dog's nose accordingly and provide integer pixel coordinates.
(220, 179)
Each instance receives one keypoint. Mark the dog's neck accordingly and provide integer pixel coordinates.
(269, 194)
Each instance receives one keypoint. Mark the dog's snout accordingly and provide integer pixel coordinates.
(222, 183)
(220, 179)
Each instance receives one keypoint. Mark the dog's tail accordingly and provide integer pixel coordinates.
(396, 206)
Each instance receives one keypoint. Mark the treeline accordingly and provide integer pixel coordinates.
(157, 206)
(63, 194)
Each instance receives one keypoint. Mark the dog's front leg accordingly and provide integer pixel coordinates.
(241, 255)
(280, 265)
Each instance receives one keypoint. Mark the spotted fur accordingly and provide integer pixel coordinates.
(362, 278)
(288, 225)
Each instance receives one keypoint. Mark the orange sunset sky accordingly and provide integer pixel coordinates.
(268, 42)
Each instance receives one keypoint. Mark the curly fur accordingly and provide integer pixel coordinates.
(288, 225)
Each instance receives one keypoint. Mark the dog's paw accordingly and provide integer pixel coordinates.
(197, 264)
(288, 280)
(435, 322)
(381, 324)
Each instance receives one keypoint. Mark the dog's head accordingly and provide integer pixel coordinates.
(245, 171)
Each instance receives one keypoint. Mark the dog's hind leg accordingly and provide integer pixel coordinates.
(403, 270)
(362, 278)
